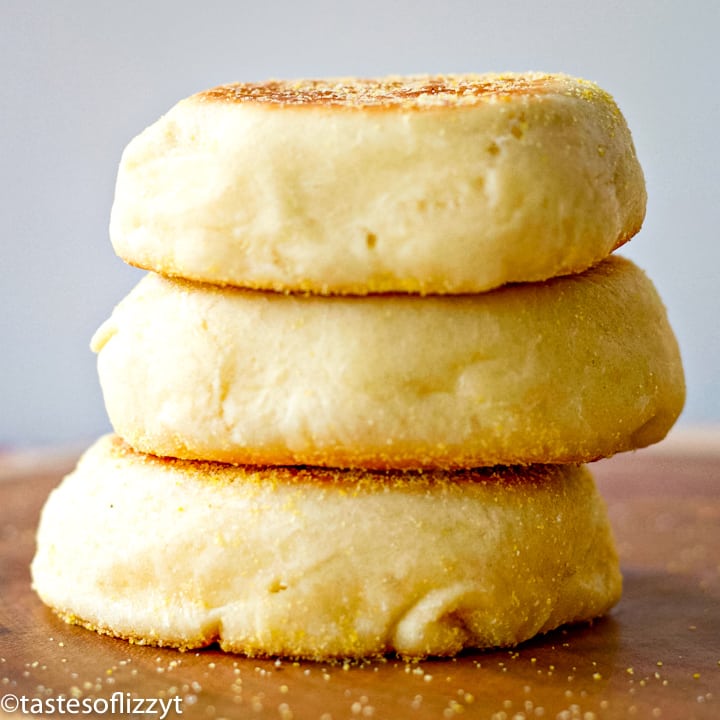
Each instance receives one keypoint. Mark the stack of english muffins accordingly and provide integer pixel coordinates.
(381, 332)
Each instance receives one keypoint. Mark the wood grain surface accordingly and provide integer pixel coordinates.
(657, 655)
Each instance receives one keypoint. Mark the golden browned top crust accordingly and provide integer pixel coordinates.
(401, 92)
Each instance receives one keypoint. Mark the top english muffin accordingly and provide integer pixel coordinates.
(423, 184)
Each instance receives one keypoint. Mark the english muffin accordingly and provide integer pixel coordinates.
(314, 563)
(567, 370)
(429, 184)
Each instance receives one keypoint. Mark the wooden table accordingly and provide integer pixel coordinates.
(657, 655)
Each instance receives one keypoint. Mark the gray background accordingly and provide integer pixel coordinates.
(79, 79)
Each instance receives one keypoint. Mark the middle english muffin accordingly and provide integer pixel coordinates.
(568, 370)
